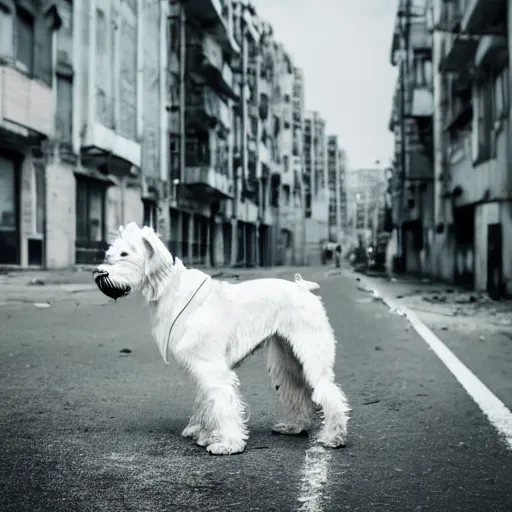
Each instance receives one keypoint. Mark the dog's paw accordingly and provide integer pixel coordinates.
(204, 438)
(332, 441)
(191, 431)
(226, 447)
(289, 429)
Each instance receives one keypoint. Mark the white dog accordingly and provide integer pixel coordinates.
(211, 326)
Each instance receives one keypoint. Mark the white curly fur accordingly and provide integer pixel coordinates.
(222, 325)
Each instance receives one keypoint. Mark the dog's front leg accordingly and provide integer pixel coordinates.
(195, 429)
(221, 412)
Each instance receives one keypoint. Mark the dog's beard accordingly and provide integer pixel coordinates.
(109, 287)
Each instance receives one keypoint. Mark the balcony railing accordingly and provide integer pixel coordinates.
(208, 182)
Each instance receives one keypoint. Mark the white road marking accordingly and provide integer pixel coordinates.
(314, 477)
(495, 410)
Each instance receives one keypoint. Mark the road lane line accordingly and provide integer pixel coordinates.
(495, 410)
(314, 477)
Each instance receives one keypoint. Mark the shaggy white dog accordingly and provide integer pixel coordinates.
(211, 326)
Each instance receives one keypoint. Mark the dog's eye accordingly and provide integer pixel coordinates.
(124, 254)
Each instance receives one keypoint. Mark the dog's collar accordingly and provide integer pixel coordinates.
(166, 346)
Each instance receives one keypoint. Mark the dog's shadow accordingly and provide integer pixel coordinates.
(161, 431)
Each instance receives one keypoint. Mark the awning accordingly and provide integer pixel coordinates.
(481, 15)
(458, 54)
(493, 51)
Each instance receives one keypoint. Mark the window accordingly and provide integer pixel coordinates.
(6, 34)
(9, 236)
(101, 33)
(65, 33)
(27, 42)
(501, 92)
(8, 210)
(286, 195)
(286, 163)
(484, 119)
(150, 215)
(64, 109)
(90, 211)
(24, 41)
(38, 200)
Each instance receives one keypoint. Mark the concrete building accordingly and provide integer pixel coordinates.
(366, 190)
(93, 88)
(203, 99)
(337, 193)
(412, 124)
(185, 116)
(316, 189)
(470, 238)
(27, 106)
(288, 113)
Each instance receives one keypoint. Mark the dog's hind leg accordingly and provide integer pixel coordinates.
(287, 377)
(221, 412)
(317, 370)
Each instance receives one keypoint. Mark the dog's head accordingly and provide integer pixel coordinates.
(135, 261)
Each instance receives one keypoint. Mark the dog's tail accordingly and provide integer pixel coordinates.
(308, 285)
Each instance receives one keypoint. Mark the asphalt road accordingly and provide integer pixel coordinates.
(84, 427)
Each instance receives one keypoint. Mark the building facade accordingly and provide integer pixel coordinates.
(337, 193)
(184, 116)
(27, 106)
(469, 233)
(366, 190)
(316, 188)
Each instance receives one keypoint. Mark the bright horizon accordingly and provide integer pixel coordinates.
(344, 51)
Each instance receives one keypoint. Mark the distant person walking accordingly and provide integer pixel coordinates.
(337, 256)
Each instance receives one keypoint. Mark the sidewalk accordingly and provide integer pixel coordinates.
(47, 286)
(441, 305)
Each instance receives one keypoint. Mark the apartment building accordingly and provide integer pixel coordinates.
(202, 103)
(336, 185)
(27, 105)
(412, 124)
(78, 86)
(316, 189)
(287, 193)
(471, 234)
(366, 190)
(185, 116)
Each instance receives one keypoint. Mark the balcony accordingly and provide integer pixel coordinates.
(102, 145)
(492, 52)
(459, 51)
(206, 65)
(207, 182)
(422, 104)
(25, 103)
(485, 17)
(204, 109)
(212, 16)
(420, 38)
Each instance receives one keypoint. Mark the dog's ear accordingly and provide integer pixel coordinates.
(148, 239)
(148, 246)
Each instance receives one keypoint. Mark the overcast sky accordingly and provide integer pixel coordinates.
(343, 47)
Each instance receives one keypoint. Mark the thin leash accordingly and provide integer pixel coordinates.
(166, 347)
